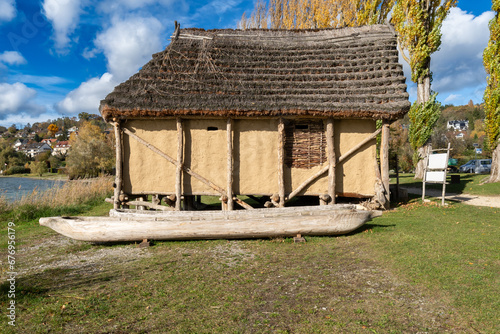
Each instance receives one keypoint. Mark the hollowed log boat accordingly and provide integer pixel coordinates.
(137, 225)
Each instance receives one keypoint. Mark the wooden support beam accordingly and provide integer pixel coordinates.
(281, 163)
(178, 172)
(330, 141)
(229, 190)
(243, 204)
(149, 205)
(327, 167)
(119, 166)
(384, 162)
(174, 162)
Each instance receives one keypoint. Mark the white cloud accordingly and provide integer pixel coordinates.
(7, 10)
(87, 97)
(11, 58)
(17, 98)
(128, 44)
(458, 63)
(452, 97)
(64, 15)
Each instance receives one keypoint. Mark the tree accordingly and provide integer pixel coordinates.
(491, 61)
(38, 167)
(317, 14)
(418, 24)
(91, 152)
(12, 129)
(52, 130)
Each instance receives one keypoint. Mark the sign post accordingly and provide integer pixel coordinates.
(435, 170)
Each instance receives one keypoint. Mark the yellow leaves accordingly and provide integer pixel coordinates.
(491, 61)
(418, 24)
(314, 14)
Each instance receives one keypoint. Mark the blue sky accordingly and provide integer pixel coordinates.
(61, 57)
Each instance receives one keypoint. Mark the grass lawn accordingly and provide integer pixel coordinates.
(418, 268)
(469, 183)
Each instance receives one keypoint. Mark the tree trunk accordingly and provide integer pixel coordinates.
(419, 169)
(424, 89)
(495, 165)
(423, 95)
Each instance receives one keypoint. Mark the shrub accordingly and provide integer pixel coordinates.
(17, 170)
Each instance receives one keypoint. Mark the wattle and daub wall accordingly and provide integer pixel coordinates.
(255, 156)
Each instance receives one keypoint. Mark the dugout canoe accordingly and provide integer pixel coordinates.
(137, 225)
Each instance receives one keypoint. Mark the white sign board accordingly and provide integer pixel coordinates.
(438, 161)
(479, 151)
(435, 176)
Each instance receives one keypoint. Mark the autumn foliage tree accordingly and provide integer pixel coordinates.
(52, 130)
(418, 24)
(91, 152)
(316, 14)
(491, 60)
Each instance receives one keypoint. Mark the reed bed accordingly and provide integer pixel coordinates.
(72, 197)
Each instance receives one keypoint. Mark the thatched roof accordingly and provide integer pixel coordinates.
(345, 73)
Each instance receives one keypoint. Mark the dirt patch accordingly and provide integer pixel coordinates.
(489, 201)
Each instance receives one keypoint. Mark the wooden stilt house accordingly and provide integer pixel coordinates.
(258, 112)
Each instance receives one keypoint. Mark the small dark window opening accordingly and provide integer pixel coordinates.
(212, 128)
(301, 127)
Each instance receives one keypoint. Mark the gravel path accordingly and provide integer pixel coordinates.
(491, 201)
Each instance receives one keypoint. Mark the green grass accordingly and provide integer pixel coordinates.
(419, 268)
(469, 183)
(452, 251)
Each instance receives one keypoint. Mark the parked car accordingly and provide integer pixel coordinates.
(479, 167)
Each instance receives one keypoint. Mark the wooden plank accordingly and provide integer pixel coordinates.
(384, 162)
(119, 166)
(229, 188)
(174, 162)
(281, 162)
(330, 141)
(149, 205)
(180, 158)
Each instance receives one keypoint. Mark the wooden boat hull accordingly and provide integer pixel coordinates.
(186, 225)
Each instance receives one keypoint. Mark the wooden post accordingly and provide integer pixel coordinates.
(384, 162)
(178, 176)
(229, 130)
(426, 162)
(119, 166)
(281, 162)
(331, 159)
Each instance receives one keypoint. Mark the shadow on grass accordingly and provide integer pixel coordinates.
(50, 281)
(408, 181)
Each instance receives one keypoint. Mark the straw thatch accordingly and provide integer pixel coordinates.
(344, 73)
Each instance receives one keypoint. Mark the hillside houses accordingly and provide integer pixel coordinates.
(461, 125)
(61, 148)
(34, 149)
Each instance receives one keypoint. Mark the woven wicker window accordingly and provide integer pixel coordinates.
(305, 143)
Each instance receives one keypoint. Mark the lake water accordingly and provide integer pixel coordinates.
(15, 187)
